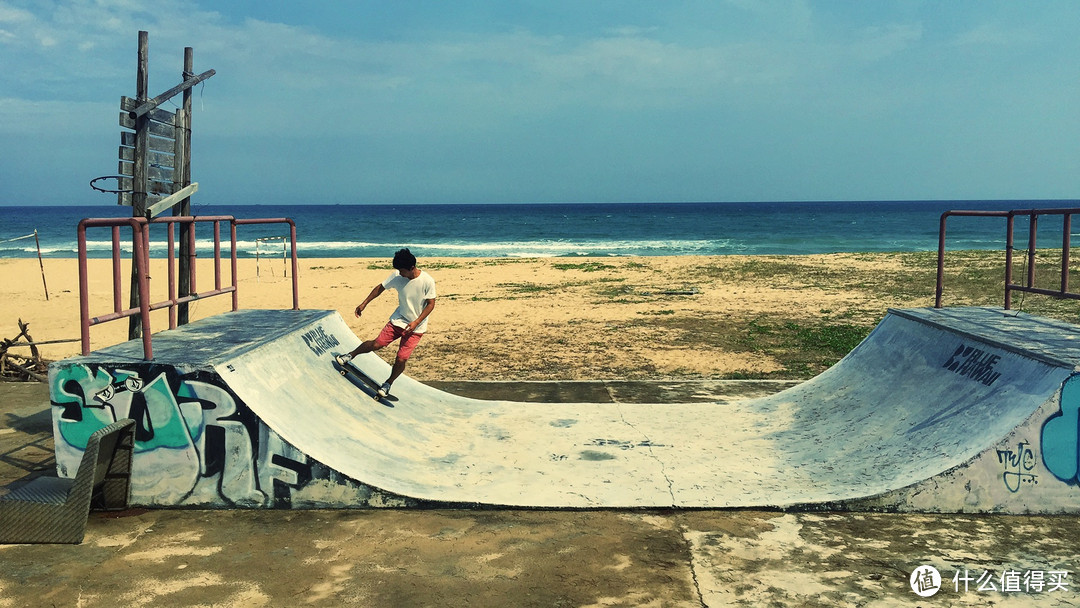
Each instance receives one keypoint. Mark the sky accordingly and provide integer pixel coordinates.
(501, 101)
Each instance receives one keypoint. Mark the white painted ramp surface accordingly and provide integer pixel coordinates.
(926, 392)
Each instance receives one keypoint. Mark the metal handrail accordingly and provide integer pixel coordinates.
(140, 240)
(1029, 279)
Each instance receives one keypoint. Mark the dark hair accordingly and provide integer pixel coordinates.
(404, 260)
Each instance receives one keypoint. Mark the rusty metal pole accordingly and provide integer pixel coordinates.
(940, 260)
(1065, 245)
(1009, 240)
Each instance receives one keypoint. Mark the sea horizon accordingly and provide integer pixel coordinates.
(338, 230)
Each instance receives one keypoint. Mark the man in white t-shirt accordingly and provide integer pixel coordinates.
(416, 300)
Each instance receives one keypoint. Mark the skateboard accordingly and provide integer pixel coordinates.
(363, 382)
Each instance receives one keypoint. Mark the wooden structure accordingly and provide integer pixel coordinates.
(155, 162)
(22, 367)
(155, 148)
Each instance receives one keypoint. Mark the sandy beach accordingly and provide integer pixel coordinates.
(522, 319)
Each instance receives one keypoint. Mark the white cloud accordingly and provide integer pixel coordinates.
(10, 14)
(991, 35)
(26, 117)
(763, 76)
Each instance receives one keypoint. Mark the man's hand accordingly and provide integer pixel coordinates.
(375, 292)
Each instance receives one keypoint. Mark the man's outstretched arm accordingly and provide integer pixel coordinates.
(375, 292)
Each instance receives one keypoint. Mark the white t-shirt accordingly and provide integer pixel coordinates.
(413, 295)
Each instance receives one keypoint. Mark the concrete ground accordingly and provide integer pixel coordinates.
(527, 557)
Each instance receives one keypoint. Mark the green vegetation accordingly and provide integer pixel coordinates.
(805, 343)
(584, 266)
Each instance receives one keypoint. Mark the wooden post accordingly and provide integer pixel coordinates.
(37, 244)
(182, 167)
(139, 177)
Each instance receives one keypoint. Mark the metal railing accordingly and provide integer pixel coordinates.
(140, 246)
(1028, 285)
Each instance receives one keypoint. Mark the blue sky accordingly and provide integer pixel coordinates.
(556, 100)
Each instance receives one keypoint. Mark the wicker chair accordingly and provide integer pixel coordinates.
(55, 509)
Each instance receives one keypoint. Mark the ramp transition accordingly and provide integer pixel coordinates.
(963, 409)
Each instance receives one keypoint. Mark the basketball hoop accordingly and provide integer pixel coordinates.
(116, 177)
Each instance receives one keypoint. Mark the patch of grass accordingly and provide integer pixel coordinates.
(584, 266)
(441, 265)
(804, 347)
(838, 339)
(505, 261)
(521, 288)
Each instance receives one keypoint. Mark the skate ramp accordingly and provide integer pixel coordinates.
(937, 410)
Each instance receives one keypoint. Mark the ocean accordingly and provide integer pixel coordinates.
(560, 230)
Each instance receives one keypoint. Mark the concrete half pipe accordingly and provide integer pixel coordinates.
(962, 409)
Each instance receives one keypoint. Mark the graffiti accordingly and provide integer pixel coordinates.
(196, 443)
(974, 363)
(1061, 434)
(1018, 465)
(193, 442)
(319, 341)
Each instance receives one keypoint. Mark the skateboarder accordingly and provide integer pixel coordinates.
(416, 300)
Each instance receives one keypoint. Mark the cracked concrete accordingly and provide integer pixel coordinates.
(519, 557)
(648, 444)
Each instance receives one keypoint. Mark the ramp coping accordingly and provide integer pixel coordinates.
(1047, 340)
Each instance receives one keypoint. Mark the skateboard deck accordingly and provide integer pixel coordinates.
(364, 383)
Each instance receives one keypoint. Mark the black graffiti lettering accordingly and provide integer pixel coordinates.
(319, 341)
(952, 363)
(73, 409)
(213, 454)
(144, 423)
(974, 363)
(1018, 465)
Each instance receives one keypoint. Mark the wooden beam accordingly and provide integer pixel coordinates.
(150, 104)
(125, 199)
(161, 159)
(152, 187)
(127, 139)
(128, 104)
(139, 182)
(156, 129)
(28, 372)
(183, 168)
(153, 172)
(173, 199)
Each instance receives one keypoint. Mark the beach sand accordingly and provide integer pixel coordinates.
(511, 319)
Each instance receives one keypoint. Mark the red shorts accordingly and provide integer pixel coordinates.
(392, 332)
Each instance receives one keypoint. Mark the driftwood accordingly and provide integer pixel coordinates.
(15, 367)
